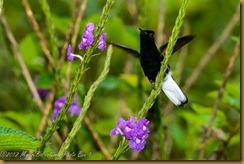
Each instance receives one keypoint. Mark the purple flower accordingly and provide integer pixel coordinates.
(86, 41)
(71, 56)
(87, 38)
(135, 132)
(137, 144)
(102, 42)
(43, 93)
(74, 108)
(90, 27)
(117, 129)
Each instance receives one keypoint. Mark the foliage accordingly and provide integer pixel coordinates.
(181, 132)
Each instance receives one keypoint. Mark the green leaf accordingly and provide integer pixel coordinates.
(231, 87)
(21, 121)
(235, 140)
(93, 156)
(178, 135)
(31, 53)
(125, 33)
(231, 100)
(106, 106)
(227, 98)
(14, 139)
(132, 80)
(61, 23)
(201, 110)
(103, 127)
(45, 81)
(206, 112)
(235, 38)
(110, 83)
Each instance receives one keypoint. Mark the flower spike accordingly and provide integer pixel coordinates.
(135, 132)
(87, 37)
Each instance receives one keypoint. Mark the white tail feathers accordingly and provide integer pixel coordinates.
(173, 92)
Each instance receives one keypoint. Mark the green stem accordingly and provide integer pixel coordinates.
(51, 31)
(159, 79)
(1, 6)
(123, 147)
(77, 78)
(101, 24)
(62, 113)
(87, 101)
(159, 123)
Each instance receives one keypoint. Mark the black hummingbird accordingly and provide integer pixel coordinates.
(151, 57)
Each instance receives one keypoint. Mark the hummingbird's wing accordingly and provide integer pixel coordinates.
(173, 91)
(127, 49)
(179, 43)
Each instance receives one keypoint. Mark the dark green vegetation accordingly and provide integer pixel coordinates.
(208, 127)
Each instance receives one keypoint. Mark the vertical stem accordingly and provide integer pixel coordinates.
(212, 50)
(219, 96)
(159, 130)
(155, 92)
(123, 147)
(74, 26)
(61, 114)
(22, 64)
(39, 35)
(1, 6)
(87, 101)
(51, 31)
(97, 139)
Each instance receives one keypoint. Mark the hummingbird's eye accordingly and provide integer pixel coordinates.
(151, 35)
(144, 33)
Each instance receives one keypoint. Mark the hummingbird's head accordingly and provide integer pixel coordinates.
(146, 33)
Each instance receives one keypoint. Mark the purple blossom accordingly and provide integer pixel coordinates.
(102, 42)
(74, 108)
(86, 41)
(71, 56)
(87, 38)
(90, 27)
(43, 93)
(137, 144)
(135, 132)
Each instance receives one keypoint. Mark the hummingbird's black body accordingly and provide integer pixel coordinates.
(151, 57)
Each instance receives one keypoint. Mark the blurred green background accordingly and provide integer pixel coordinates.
(125, 89)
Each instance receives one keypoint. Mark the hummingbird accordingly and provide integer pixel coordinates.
(150, 59)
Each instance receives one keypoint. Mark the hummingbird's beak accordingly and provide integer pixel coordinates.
(140, 29)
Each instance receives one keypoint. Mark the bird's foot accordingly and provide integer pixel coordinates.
(153, 84)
